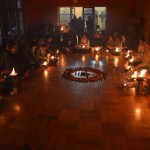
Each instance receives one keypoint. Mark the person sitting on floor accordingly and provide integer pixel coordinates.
(84, 43)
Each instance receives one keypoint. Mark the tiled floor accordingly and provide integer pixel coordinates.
(51, 113)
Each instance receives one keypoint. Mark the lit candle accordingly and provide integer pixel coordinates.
(131, 60)
(97, 48)
(142, 73)
(52, 57)
(62, 28)
(134, 76)
(13, 73)
(45, 63)
(117, 49)
(83, 46)
(128, 54)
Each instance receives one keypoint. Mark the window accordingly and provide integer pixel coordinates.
(64, 15)
(11, 17)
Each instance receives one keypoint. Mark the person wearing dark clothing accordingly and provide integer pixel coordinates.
(90, 25)
(18, 61)
(31, 56)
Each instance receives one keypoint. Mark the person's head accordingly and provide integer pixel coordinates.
(123, 37)
(43, 47)
(110, 38)
(13, 47)
(33, 45)
(141, 40)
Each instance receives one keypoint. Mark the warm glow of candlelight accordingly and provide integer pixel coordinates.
(132, 59)
(62, 28)
(13, 73)
(45, 63)
(96, 57)
(107, 50)
(128, 54)
(46, 73)
(17, 108)
(134, 75)
(83, 58)
(97, 48)
(142, 73)
(117, 49)
(52, 57)
(83, 46)
(137, 111)
(125, 84)
(116, 61)
(57, 51)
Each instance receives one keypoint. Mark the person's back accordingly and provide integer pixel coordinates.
(90, 24)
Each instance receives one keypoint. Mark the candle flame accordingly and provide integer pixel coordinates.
(83, 46)
(97, 48)
(52, 57)
(13, 73)
(45, 63)
(142, 73)
(117, 49)
(132, 59)
(134, 75)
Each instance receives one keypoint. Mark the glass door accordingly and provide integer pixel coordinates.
(87, 12)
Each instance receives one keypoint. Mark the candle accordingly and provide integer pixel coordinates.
(117, 49)
(52, 57)
(134, 76)
(83, 46)
(142, 73)
(131, 60)
(45, 63)
(97, 49)
(13, 73)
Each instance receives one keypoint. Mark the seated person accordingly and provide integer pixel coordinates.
(31, 55)
(18, 60)
(42, 54)
(141, 47)
(124, 43)
(6, 84)
(111, 44)
(145, 60)
(84, 43)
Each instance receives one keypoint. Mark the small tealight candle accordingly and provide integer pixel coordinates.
(134, 76)
(142, 73)
(83, 46)
(13, 73)
(124, 84)
(45, 63)
(52, 57)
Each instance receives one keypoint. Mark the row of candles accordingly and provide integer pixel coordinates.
(136, 74)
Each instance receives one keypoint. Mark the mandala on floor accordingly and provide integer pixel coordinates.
(84, 74)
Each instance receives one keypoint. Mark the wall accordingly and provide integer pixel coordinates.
(45, 11)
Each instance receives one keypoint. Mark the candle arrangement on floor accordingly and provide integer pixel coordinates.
(84, 74)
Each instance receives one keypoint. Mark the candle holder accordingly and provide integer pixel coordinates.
(139, 87)
(15, 81)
